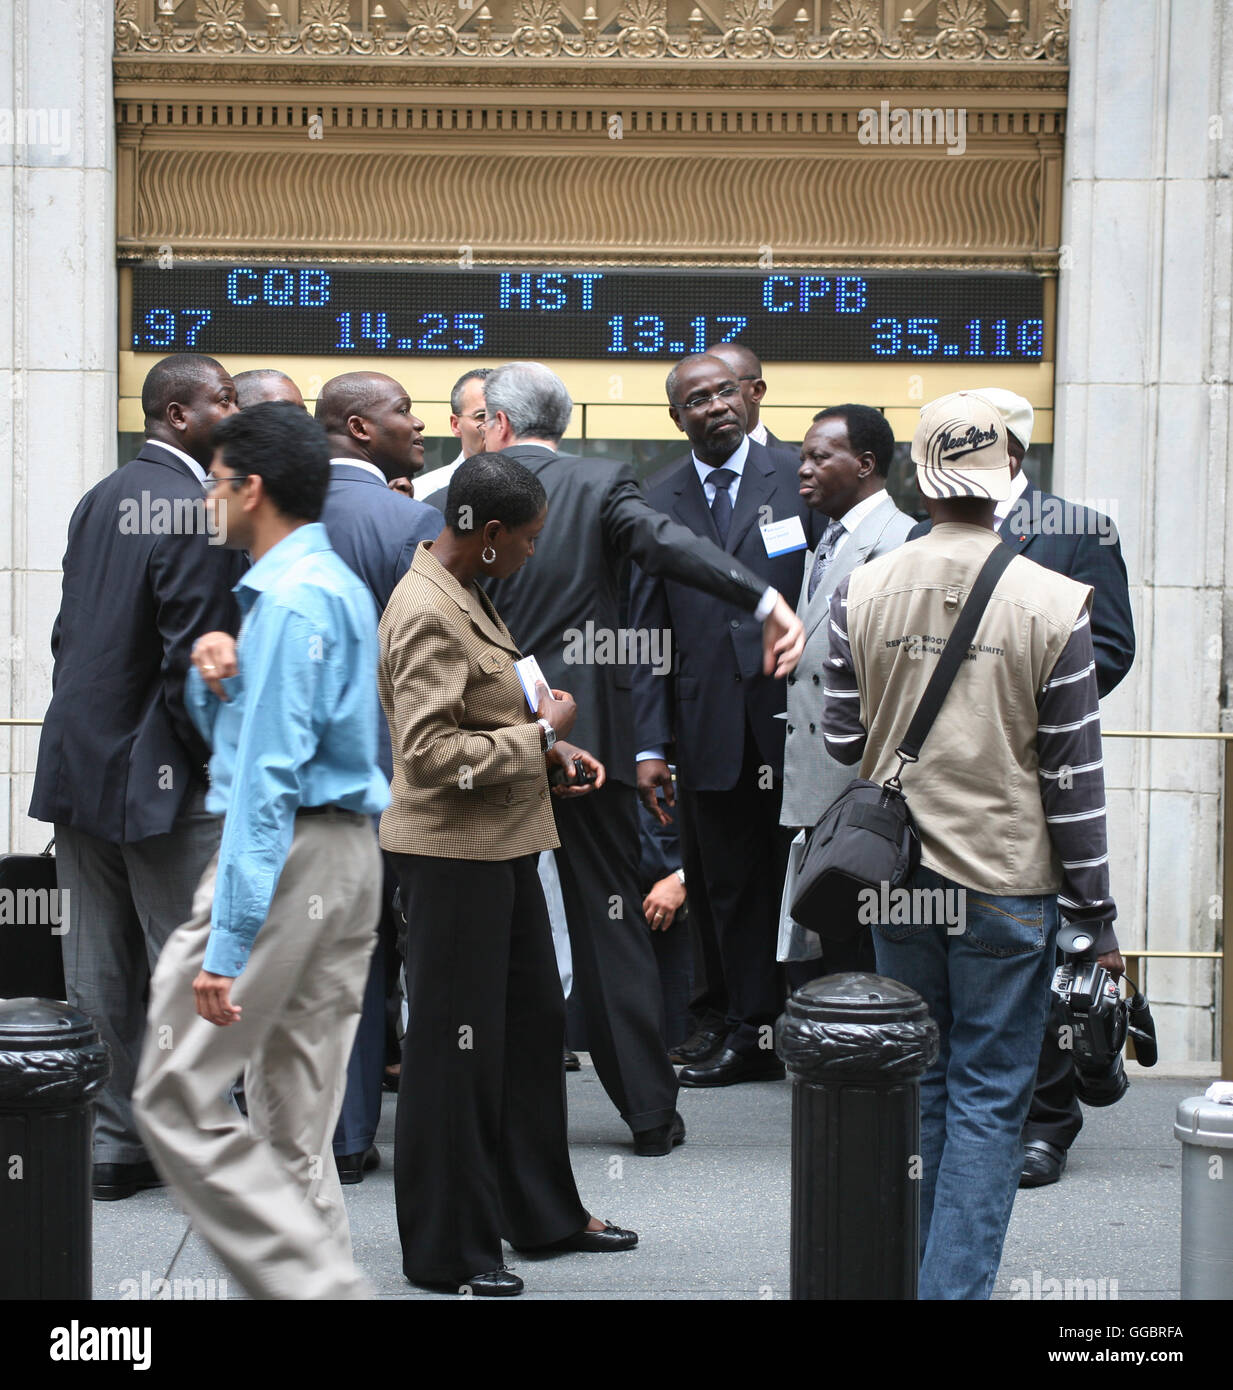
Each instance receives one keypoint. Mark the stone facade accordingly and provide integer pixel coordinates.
(1143, 419)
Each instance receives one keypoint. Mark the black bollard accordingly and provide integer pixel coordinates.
(856, 1046)
(51, 1064)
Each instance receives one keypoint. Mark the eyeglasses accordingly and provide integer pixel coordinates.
(479, 416)
(211, 481)
(728, 393)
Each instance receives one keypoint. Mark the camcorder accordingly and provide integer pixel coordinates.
(1092, 1021)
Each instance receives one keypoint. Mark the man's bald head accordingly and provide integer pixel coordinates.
(266, 384)
(742, 360)
(352, 393)
(367, 415)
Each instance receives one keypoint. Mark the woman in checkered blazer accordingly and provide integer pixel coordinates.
(481, 1150)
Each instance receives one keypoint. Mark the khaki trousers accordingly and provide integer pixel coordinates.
(264, 1192)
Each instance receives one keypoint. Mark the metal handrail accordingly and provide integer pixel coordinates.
(1226, 975)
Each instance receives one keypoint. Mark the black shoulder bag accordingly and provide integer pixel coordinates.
(866, 837)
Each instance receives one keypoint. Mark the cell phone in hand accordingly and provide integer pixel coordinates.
(583, 776)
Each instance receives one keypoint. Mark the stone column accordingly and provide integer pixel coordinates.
(1143, 416)
(57, 338)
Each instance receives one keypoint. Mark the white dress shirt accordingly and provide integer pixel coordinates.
(758, 434)
(197, 470)
(853, 517)
(365, 465)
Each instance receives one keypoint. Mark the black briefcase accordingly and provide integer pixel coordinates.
(33, 921)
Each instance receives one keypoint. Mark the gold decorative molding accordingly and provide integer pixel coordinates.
(610, 132)
(623, 31)
(604, 207)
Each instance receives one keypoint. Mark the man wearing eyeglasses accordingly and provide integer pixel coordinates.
(747, 369)
(720, 710)
(467, 416)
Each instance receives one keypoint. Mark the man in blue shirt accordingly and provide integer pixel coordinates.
(268, 974)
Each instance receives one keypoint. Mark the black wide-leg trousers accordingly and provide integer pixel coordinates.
(481, 1149)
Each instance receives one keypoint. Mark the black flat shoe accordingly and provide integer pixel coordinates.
(571, 1061)
(730, 1067)
(497, 1283)
(654, 1143)
(611, 1238)
(352, 1167)
(111, 1182)
(1043, 1163)
(701, 1044)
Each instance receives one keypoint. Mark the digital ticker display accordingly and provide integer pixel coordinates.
(783, 315)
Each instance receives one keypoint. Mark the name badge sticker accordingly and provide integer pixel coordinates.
(529, 673)
(781, 537)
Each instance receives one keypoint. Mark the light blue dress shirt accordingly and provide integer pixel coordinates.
(299, 728)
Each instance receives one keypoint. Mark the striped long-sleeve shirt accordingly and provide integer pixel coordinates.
(1068, 750)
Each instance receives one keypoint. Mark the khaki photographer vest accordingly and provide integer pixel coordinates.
(975, 793)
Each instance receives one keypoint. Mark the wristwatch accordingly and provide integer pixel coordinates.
(550, 734)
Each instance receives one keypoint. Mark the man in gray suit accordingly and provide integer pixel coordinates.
(845, 460)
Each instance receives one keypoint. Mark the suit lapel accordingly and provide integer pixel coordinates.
(478, 608)
(855, 551)
(757, 486)
(690, 506)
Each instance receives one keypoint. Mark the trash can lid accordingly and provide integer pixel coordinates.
(858, 998)
(43, 1025)
(1204, 1122)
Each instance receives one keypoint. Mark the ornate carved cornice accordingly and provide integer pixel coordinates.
(605, 207)
(534, 32)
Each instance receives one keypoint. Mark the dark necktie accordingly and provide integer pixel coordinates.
(826, 548)
(721, 507)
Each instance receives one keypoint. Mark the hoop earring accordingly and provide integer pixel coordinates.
(488, 555)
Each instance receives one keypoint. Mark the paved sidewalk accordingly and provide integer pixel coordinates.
(713, 1217)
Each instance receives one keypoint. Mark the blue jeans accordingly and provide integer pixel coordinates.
(987, 987)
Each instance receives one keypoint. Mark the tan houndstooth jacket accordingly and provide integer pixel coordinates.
(470, 781)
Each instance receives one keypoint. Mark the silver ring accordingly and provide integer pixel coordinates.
(209, 668)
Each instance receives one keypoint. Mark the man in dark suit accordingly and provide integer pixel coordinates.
(747, 369)
(1083, 544)
(121, 768)
(565, 610)
(721, 711)
(374, 437)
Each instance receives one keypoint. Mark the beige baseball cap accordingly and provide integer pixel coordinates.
(1017, 414)
(960, 449)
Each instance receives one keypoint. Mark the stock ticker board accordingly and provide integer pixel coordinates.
(783, 315)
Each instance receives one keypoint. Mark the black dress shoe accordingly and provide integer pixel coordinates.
(730, 1067)
(611, 1238)
(112, 1181)
(571, 1061)
(497, 1283)
(352, 1167)
(654, 1143)
(701, 1044)
(1043, 1163)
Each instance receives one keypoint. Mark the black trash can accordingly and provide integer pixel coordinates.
(51, 1065)
(856, 1046)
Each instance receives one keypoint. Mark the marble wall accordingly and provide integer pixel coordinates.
(1143, 417)
(57, 338)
